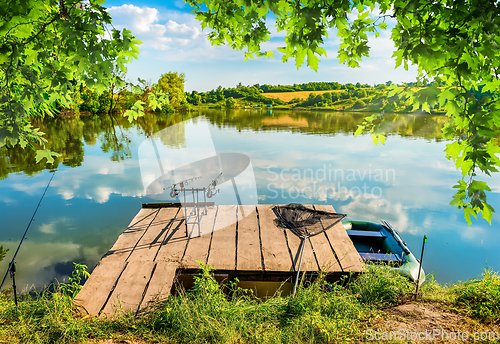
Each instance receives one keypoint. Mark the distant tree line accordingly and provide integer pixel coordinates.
(222, 96)
(167, 95)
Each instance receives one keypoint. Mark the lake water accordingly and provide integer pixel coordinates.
(297, 157)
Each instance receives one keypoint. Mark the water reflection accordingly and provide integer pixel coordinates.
(297, 156)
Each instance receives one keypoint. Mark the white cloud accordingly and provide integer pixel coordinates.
(140, 19)
(177, 36)
(376, 209)
(51, 227)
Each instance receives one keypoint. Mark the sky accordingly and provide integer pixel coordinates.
(173, 41)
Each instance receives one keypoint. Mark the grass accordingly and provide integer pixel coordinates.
(480, 298)
(320, 313)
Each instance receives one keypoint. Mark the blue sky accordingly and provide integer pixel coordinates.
(174, 41)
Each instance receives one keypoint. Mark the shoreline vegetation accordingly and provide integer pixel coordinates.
(378, 304)
(327, 96)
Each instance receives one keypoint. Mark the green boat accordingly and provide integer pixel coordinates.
(381, 243)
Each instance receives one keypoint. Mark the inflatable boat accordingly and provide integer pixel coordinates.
(380, 243)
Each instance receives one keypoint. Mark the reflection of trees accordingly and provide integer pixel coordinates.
(67, 136)
(323, 122)
(174, 137)
(116, 143)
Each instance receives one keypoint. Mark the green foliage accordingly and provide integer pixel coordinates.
(380, 285)
(308, 86)
(136, 111)
(359, 104)
(45, 154)
(3, 252)
(172, 84)
(376, 125)
(47, 48)
(456, 43)
(480, 297)
(211, 316)
(75, 280)
(230, 103)
(320, 312)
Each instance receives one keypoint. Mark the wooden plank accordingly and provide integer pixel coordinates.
(173, 246)
(248, 245)
(97, 288)
(323, 252)
(130, 288)
(126, 242)
(198, 248)
(161, 282)
(149, 244)
(222, 255)
(339, 240)
(274, 248)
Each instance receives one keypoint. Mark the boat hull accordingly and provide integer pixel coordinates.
(380, 243)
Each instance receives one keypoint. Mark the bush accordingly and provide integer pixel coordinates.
(185, 107)
(359, 104)
(295, 100)
(380, 285)
(480, 297)
(230, 103)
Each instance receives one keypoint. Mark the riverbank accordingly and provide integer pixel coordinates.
(360, 309)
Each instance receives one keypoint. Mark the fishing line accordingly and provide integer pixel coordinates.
(11, 265)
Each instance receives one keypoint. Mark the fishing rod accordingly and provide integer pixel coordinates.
(12, 268)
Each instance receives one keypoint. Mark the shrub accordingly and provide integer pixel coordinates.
(380, 285)
(359, 104)
(480, 297)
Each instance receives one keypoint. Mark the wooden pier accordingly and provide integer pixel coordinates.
(158, 244)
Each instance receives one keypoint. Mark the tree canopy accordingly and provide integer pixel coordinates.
(47, 48)
(454, 42)
(172, 83)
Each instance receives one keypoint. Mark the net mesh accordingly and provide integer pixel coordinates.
(304, 221)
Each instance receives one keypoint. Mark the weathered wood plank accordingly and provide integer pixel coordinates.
(97, 288)
(198, 247)
(149, 244)
(222, 255)
(127, 241)
(130, 287)
(161, 283)
(323, 252)
(339, 240)
(173, 246)
(248, 246)
(274, 248)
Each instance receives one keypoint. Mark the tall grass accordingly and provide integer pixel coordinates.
(480, 297)
(380, 286)
(319, 313)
